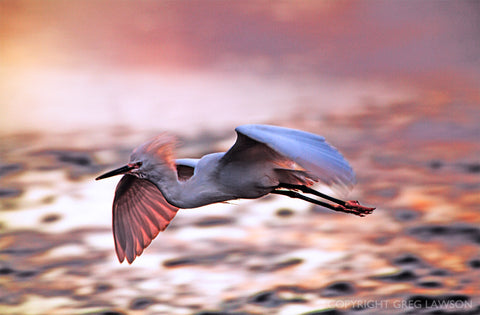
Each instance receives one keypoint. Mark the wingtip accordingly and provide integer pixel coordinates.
(122, 258)
(130, 259)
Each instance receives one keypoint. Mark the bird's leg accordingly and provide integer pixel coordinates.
(351, 206)
(309, 190)
(340, 208)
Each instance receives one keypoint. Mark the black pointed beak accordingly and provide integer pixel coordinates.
(118, 171)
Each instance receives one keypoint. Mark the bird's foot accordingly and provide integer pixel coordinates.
(354, 207)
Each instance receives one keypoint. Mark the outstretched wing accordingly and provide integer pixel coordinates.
(139, 212)
(308, 150)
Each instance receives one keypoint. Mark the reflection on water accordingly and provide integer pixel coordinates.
(418, 252)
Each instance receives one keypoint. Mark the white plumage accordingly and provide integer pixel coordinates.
(264, 159)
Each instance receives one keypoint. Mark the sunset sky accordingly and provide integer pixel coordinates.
(108, 56)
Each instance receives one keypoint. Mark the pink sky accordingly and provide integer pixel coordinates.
(91, 44)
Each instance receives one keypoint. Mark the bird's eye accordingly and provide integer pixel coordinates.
(138, 164)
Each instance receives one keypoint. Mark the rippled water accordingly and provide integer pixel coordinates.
(419, 252)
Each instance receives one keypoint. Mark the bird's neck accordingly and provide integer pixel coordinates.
(193, 193)
(167, 181)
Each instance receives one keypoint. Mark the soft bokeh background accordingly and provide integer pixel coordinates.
(395, 85)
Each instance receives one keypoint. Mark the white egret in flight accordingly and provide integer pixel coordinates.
(264, 159)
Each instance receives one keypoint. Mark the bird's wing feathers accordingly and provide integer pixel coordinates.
(247, 149)
(308, 150)
(140, 212)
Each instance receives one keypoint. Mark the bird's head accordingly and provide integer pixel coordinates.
(149, 159)
(130, 168)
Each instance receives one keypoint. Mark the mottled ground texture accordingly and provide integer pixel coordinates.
(417, 253)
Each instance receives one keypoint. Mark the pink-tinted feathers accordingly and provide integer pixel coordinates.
(140, 212)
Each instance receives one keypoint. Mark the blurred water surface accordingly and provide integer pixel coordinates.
(394, 86)
(274, 255)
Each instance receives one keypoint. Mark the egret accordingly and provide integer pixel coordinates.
(264, 159)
